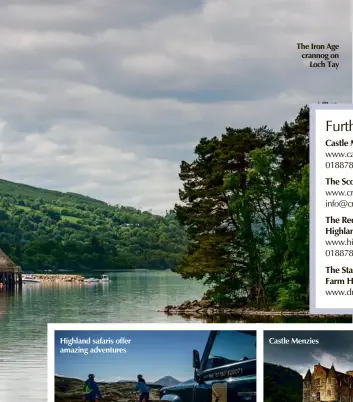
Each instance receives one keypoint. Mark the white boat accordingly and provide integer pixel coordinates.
(91, 280)
(104, 278)
(30, 278)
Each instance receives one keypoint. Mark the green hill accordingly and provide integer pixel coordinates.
(282, 384)
(43, 229)
(23, 190)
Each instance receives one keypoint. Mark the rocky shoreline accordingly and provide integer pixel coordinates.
(59, 277)
(210, 308)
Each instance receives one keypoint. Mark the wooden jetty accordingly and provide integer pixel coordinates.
(10, 273)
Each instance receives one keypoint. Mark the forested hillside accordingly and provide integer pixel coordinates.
(42, 229)
(282, 384)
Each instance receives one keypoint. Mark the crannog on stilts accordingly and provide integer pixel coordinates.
(10, 273)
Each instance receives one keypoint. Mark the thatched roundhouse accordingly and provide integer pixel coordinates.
(10, 273)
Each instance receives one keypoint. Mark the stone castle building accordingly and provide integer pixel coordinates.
(327, 385)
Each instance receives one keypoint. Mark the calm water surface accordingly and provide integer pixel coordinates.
(129, 297)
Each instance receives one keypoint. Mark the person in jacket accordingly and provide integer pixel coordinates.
(91, 389)
(142, 388)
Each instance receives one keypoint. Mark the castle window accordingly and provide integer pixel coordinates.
(318, 396)
(328, 392)
(317, 381)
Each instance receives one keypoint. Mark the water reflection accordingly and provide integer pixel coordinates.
(129, 297)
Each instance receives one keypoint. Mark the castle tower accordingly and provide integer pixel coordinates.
(331, 385)
(307, 386)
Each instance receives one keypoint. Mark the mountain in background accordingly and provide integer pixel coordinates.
(50, 230)
(282, 384)
(167, 381)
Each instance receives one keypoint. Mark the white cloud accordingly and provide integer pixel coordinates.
(341, 363)
(107, 97)
(68, 65)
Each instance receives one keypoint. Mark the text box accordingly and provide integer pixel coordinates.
(331, 209)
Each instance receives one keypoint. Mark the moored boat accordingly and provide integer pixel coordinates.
(104, 278)
(30, 278)
(90, 280)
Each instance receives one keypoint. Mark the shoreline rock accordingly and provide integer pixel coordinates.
(60, 277)
(210, 308)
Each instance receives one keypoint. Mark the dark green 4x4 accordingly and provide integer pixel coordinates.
(225, 373)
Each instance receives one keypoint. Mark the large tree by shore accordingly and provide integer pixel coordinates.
(245, 206)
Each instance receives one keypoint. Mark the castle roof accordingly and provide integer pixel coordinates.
(308, 375)
(331, 372)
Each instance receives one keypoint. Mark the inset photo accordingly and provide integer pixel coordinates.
(151, 365)
(308, 366)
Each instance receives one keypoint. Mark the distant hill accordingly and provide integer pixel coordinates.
(18, 189)
(43, 229)
(167, 381)
(282, 384)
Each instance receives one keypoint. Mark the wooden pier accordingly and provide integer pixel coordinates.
(10, 273)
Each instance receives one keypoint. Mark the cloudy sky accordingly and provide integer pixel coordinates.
(106, 97)
(172, 350)
(335, 347)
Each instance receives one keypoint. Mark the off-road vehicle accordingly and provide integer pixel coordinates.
(225, 373)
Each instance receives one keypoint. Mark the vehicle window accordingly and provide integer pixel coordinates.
(231, 347)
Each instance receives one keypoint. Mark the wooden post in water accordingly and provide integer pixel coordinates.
(19, 276)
